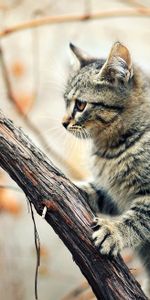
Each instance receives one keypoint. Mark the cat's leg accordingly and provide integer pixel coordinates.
(91, 194)
(129, 229)
(98, 198)
(144, 253)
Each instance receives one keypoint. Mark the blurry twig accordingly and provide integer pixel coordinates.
(132, 12)
(39, 134)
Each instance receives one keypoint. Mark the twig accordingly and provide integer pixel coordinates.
(64, 163)
(140, 11)
(37, 247)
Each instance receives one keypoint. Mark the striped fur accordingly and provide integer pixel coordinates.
(116, 118)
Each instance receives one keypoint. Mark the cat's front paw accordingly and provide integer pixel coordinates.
(107, 236)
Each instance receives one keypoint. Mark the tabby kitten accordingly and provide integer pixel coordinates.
(108, 102)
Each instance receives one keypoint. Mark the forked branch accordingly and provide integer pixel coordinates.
(67, 212)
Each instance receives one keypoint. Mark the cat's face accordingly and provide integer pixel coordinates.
(96, 94)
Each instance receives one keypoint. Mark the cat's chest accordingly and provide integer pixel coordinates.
(105, 173)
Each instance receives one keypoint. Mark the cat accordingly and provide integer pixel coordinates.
(108, 101)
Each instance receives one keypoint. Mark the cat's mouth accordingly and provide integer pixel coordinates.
(79, 132)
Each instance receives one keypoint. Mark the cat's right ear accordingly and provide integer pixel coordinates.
(118, 66)
(83, 58)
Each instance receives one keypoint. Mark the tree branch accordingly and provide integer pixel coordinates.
(68, 213)
(129, 12)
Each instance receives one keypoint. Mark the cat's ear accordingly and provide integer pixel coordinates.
(83, 58)
(118, 65)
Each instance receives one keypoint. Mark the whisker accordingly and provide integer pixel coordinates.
(72, 145)
(84, 133)
(65, 142)
(50, 130)
(73, 142)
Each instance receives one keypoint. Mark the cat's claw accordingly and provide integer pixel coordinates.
(107, 237)
(94, 223)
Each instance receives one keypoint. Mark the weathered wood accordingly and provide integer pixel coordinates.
(68, 213)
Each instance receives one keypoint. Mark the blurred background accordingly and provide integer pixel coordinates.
(34, 66)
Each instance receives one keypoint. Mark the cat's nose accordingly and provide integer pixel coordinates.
(65, 124)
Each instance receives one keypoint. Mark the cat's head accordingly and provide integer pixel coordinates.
(96, 93)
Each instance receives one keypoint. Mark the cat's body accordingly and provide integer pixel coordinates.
(109, 102)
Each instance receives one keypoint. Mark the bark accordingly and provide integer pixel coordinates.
(68, 213)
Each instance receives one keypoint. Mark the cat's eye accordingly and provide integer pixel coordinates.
(80, 105)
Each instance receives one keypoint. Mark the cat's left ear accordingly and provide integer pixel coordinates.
(118, 65)
(83, 58)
